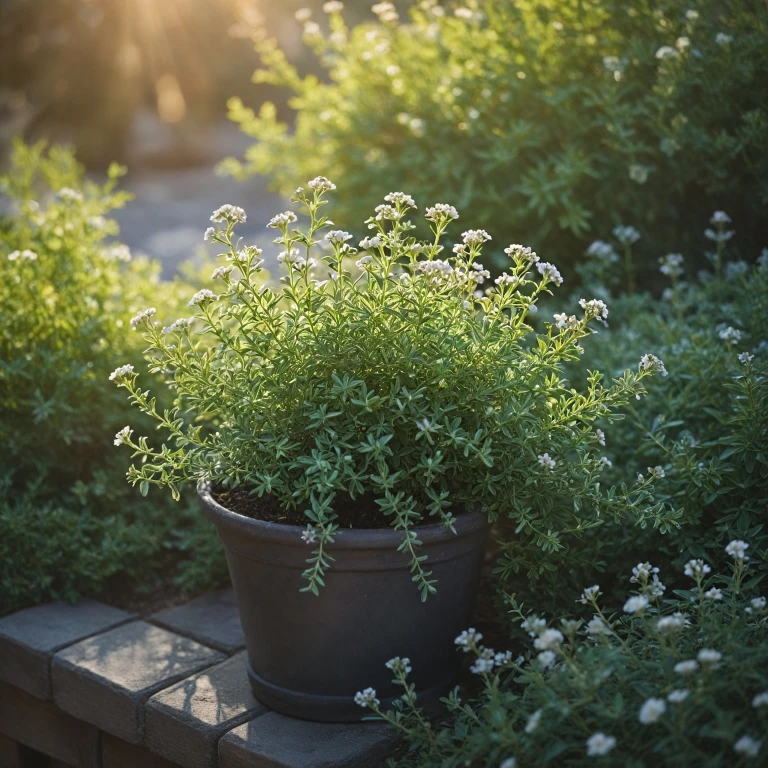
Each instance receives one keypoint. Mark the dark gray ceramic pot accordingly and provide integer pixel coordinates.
(309, 655)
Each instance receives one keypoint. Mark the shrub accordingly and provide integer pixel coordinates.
(667, 680)
(573, 113)
(65, 298)
(399, 382)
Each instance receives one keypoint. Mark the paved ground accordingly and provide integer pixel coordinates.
(171, 209)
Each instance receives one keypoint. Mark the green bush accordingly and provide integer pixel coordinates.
(672, 680)
(66, 298)
(574, 113)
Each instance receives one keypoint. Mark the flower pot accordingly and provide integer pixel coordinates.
(308, 655)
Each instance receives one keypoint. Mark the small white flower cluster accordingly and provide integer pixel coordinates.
(722, 39)
(487, 658)
(475, 237)
(228, 214)
(730, 334)
(367, 698)
(441, 213)
(548, 640)
(599, 744)
(438, 269)
(650, 362)
(550, 272)
(603, 251)
(652, 710)
(734, 269)
(26, 255)
(636, 604)
(386, 213)
(385, 11)
(123, 435)
(142, 318)
(478, 273)
(338, 237)
(118, 252)
(202, 297)
(69, 195)
(400, 198)
(505, 279)
(678, 695)
(399, 666)
(370, 242)
(696, 569)
(737, 549)
(626, 235)
(638, 173)
(596, 626)
(546, 461)
(303, 14)
(600, 435)
(674, 623)
(123, 372)
(282, 220)
(563, 320)
(671, 265)
(209, 234)
(594, 308)
(363, 261)
(521, 253)
(713, 594)
(756, 604)
(321, 184)
(709, 657)
(179, 325)
(667, 52)
(309, 535)
(221, 272)
(295, 260)
(333, 6)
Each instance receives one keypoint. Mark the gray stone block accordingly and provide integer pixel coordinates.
(10, 753)
(276, 741)
(211, 619)
(29, 638)
(183, 723)
(44, 728)
(106, 679)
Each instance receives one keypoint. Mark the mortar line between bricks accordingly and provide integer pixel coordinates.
(241, 720)
(168, 627)
(64, 646)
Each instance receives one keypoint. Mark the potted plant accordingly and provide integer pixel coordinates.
(353, 431)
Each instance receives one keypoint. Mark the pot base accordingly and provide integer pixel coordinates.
(328, 709)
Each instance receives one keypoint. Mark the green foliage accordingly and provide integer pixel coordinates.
(706, 424)
(66, 297)
(399, 382)
(575, 113)
(608, 686)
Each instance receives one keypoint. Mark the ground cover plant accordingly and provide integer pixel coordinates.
(66, 296)
(659, 678)
(384, 374)
(577, 114)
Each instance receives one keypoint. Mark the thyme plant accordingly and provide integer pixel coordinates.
(390, 372)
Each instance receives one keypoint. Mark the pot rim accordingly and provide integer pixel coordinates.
(466, 524)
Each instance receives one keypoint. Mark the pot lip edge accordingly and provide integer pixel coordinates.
(434, 533)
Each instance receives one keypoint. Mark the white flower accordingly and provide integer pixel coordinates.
(179, 325)
(671, 265)
(502, 658)
(68, 194)
(722, 39)
(468, 638)
(673, 623)
(333, 6)
(504, 278)
(533, 721)
(546, 659)
(321, 184)
(676, 696)
(550, 272)
(627, 235)
(482, 665)
(400, 198)
(761, 700)
(600, 435)
(596, 626)
(521, 253)
(370, 242)
(599, 744)
(123, 435)
(756, 604)
(666, 52)
(202, 297)
(367, 698)
(142, 317)
(510, 762)
(686, 667)
(652, 363)
(642, 572)
(282, 220)
(691, 15)
(309, 535)
(714, 594)
(229, 214)
(546, 461)
(562, 320)
(534, 626)
(338, 236)
(588, 594)
(399, 665)
(478, 273)
(605, 462)
(302, 15)
(221, 272)
(386, 212)
(696, 569)
(440, 212)
(475, 236)
(652, 710)
(747, 746)
(594, 308)
(721, 236)
(745, 357)
(209, 234)
(26, 254)
(730, 334)
(427, 426)
(363, 260)
(636, 604)
(737, 549)
(638, 173)
(548, 640)
(121, 373)
(385, 11)
(657, 472)
(682, 43)
(709, 656)
(603, 251)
